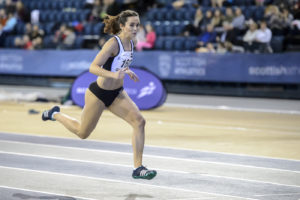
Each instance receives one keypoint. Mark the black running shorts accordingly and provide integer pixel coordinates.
(106, 96)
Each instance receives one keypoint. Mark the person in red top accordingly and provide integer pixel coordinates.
(150, 39)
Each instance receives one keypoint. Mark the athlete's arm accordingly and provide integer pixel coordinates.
(109, 49)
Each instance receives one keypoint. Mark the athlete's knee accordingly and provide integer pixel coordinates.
(139, 121)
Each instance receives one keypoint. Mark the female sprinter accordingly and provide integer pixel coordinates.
(111, 65)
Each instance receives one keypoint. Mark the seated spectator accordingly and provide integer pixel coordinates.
(109, 7)
(177, 4)
(10, 23)
(217, 3)
(96, 11)
(23, 42)
(36, 37)
(195, 28)
(69, 39)
(274, 19)
(263, 38)
(59, 35)
(229, 16)
(10, 6)
(209, 36)
(206, 20)
(141, 34)
(3, 17)
(259, 2)
(150, 39)
(287, 19)
(27, 43)
(249, 37)
(22, 12)
(36, 32)
(217, 19)
(228, 35)
(238, 21)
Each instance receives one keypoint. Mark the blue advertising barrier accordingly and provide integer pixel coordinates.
(244, 68)
(147, 93)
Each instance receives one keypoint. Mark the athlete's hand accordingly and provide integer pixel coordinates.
(120, 74)
(132, 75)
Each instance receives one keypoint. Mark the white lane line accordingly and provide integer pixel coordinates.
(232, 128)
(126, 182)
(161, 157)
(49, 193)
(294, 112)
(269, 195)
(158, 169)
(154, 146)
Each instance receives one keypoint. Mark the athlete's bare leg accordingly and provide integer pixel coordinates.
(125, 108)
(91, 113)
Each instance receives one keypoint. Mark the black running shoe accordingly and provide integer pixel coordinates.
(143, 173)
(47, 114)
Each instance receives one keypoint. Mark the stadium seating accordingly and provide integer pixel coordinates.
(168, 22)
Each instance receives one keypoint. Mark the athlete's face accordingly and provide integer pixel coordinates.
(131, 26)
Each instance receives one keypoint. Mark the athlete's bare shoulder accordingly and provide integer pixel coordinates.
(111, 45)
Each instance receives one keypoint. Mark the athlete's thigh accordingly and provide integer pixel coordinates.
(125, 108)
(92, 111)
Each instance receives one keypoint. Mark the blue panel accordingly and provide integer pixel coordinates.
(250, 68)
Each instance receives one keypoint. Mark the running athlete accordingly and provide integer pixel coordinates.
(111, 65)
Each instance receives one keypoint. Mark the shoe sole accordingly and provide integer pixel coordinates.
(148, 177)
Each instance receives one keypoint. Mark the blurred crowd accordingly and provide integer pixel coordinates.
(221, 28)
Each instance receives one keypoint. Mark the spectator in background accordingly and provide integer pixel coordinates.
(206, 20)
(10, 23)
(10, 6)
(109, 7)
(259, 2)
(195, 27)
(150, 39)
(274, 19)
(217, 3)
(96, 11)
(287, 19)
(209, 36)
(249, 37)
(27, 43)
(141, 34)
(22, 12)
(69, 39)
(3, 17)
(28, 28)
(238, 21)
(228, 35)
(23, 42)
(36, 37)
(229, 16)
(60, 35)
(263, 38)
(177, 4)
(217, 19)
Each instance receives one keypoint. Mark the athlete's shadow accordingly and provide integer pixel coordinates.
(44, 197)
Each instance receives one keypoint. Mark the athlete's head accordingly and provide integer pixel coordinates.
(127, 23)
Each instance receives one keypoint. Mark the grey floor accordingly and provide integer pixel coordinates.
(40, 167)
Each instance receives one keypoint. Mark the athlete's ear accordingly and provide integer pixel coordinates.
(122, 26)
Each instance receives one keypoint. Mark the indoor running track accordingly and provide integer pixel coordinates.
(50, 168)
